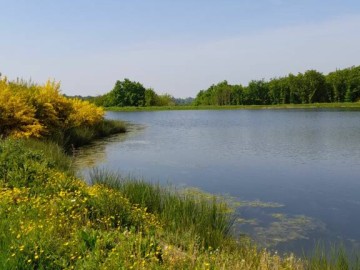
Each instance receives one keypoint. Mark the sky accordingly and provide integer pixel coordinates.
(176, 46)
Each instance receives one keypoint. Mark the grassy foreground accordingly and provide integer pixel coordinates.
(49, 219)
(345, 105)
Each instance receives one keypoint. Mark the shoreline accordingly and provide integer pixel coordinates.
(345, 106)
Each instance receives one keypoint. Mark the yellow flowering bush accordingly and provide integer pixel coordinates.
(52, 108)
(17, 117)
(85, 113)
(30, 110)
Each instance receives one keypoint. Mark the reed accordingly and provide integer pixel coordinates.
(198, 215)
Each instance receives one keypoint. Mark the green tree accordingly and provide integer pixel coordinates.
(165, 100)
(337, 83)
(353, 84)
(295, 83)
(279, 90)
(150, 97)
(314, 88)
(258, 92)
(127, 93)
(237, 95)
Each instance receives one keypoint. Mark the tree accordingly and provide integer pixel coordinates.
(314, 87)
(353, 84)
(337, 83)
(150, 97)
(237, 95)
(165, 100)
(295, 83)
(128, 93)
(258, 92)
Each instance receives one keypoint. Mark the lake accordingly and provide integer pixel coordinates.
(296, 173)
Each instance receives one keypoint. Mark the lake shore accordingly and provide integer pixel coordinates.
(129, 222)
(52, 219)
(57, 221)
(345, 106)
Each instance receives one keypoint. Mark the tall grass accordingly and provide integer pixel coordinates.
(337, 258)
(200, 217)
(83, 135)
(51, 151)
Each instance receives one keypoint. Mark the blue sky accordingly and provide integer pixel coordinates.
(176, 47)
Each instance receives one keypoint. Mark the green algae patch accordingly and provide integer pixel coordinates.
(287, 228)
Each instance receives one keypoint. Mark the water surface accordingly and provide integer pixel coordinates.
(301, 167)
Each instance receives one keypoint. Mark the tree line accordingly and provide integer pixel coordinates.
(130, 93)
(309, 87)
(312, 86)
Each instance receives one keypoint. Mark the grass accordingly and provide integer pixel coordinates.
(49, 219)
(80, 136)
(336, 258)
(181, 213)
(345, 105)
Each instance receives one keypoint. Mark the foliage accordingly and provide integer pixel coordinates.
(132, 94)
(305, 88)
(82, 135)
(85, 113)
(197, 215)
(51, 220)
(30, 110)
(126, 93)
(257, 93)
(150, 97)
(17, 118)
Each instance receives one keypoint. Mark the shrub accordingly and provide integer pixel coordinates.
(17, 117)
(30, 110)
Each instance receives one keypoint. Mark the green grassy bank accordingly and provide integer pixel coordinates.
(80, 136)
(50, 219)
(345, 105)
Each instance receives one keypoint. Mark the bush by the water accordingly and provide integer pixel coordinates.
(40, 111)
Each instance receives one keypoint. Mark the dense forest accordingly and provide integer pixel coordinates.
(309, 87)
